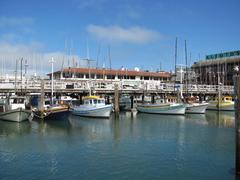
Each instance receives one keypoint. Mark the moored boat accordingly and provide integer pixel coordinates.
(14, 109)
(93, 106)
(173, 109)
(197, 108)
(226, 103)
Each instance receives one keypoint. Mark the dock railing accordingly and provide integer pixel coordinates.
(105, 85)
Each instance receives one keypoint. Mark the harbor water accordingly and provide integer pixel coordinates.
(134, 146)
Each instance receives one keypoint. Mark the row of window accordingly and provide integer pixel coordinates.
(98, 76)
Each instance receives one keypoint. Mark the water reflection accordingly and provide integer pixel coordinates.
(221, 118)
(12, 129)
(134, 145)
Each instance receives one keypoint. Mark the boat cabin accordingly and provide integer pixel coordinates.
(225, 99)
(93, 100)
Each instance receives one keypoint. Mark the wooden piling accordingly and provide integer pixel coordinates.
(143, 95)
(132, 102)
(152, 99)
(41, 108)
(237, 122)
(116, 99)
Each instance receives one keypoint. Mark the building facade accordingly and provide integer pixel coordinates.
(217, 68)
(110, 74)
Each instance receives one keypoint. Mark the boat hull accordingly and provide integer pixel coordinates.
(16, 115)
(161, 109)
(196, 108)
(224, 107)
(103, 112)
(58, 112)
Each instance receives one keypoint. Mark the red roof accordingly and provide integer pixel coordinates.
(115, 72)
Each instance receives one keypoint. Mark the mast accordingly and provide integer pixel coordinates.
(175, 64)
(15, 85)
(25, 75)
(52, 61)
(186, 68)
(21, 63)
(110, 62)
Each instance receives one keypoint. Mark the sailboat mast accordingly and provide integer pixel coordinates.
(175, 63)
(21, 62)
(186, 68)
(52, 61)
(15, 86)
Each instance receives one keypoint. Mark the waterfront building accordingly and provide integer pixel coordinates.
(217, 68)
(110, 74)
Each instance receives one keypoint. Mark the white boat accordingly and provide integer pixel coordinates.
(93, 106)
(225, 104)
(173, 109)
(197, 108)
(13, 109)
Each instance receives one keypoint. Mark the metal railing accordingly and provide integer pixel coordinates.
(105, 85)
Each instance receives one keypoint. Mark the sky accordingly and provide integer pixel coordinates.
(114, 33)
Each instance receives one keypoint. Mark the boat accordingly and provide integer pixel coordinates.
(125, 103)
(55, 110)
(194, 106)
(14, 109)
(165, 108)
(93, 106)
(226, 103)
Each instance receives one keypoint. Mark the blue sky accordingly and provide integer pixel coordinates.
(139, 33)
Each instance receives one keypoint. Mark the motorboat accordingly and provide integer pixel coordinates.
(14, 109)
(226, 103)
(165, 108)
(93, 106)
(194, 106)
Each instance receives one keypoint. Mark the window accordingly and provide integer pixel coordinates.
(86, 102)
(95, 101)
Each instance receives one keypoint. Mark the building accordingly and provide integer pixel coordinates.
(217, 68)
(110, 74)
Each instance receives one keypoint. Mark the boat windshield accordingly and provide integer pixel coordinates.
(18, 101)
(93, 101)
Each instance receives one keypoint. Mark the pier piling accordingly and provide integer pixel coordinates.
(237, 123)
(153, 99)
(116, 99)
(131, 102)
(42, 98)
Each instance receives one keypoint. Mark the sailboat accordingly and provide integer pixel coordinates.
(164, 107)
(191, 103)
(49, 109)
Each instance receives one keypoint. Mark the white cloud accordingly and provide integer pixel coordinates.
(15, 21)
(119, 34)
(38, 61)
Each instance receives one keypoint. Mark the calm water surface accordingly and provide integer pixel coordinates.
(135, 146)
